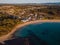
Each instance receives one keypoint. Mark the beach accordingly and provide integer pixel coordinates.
(9, 35)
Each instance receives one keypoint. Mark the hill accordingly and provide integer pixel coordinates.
(13, 14)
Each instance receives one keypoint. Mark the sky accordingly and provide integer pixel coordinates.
(28, 1)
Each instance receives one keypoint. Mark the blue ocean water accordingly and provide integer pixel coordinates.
(49, 32)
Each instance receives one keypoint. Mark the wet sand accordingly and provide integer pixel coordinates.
(9, 35)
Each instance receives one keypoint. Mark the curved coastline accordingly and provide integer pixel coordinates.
(9, 35)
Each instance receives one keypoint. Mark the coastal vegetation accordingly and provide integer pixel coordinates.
(12, 15)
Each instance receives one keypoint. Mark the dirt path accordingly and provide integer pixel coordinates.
(9, 35)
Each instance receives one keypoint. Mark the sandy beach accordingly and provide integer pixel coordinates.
(9, 35)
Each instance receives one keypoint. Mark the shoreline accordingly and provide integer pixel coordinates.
(9, 35)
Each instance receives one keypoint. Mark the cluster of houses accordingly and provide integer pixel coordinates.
(34, 17)
(30, 16)
(27, 18)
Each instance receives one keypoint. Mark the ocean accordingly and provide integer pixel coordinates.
(48, 32)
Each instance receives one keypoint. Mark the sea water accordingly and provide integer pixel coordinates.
(49, 32)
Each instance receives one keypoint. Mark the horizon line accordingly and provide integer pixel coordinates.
(30, 3)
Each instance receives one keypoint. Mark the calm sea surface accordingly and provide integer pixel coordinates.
(48, 32)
